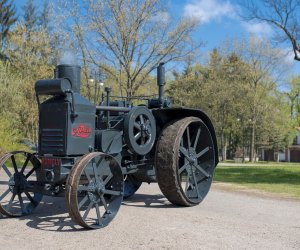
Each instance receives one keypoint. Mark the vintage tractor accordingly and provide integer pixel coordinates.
(96, 156)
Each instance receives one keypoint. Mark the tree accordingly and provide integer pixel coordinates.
(283, 15)
(7, 19)
(132, 37)
(44, 18)
(29, 54)
(237, 89)
(30, 15)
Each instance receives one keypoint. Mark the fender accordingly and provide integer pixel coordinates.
(166, 115)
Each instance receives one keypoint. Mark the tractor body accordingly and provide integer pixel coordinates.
(97, 155)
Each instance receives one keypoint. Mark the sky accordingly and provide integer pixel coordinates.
(219, 21)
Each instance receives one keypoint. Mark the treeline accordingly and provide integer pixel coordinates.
(119, 43)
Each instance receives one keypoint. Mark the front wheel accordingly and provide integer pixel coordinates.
(94, 190)
(185, 161)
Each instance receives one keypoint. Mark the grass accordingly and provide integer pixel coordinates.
(281, 179)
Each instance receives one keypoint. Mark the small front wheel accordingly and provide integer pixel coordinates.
(94, 190)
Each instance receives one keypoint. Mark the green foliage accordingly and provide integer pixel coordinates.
(236, 89)
(7, 19)
(9, 137)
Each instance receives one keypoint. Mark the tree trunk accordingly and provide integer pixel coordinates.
(252, 143)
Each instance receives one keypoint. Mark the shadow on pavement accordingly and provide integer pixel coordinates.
(51, 215)
(148, 201)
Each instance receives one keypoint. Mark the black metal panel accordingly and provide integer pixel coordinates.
(62, 134)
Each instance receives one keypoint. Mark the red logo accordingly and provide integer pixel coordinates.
(81, 131)
(54, 162)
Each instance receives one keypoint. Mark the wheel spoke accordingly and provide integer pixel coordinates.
(184, 151)
(108, 178)
(30, 172)
(137, 126)
(88, 210)
(21, 203)
(196, 185)
(6, 170)
(187, 182)
(142, 119)
(98, 213)
(202, 171)
(4, 194)
(87, 175)
(83, 188)
(111, 192)
(197, 138)
(25, 163)
(188, 137)
(4, 182)
(138, 136)
(143, 141)
(104, 202)
(13, 160)
(182, 168)
(10, 202)
(96, 173)
(83, 201)
(30, 198)
(202, 152)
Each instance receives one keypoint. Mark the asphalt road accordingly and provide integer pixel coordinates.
(224, 220)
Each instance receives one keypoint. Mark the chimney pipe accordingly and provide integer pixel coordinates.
(161, 82)
(70, 72)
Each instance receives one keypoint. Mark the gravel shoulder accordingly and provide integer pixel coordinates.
(226, 219)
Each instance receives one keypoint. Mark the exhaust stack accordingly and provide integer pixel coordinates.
(70, 72)
(161, 82)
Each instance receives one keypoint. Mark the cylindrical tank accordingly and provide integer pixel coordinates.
(71, 72)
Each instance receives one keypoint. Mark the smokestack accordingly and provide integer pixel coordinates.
(70, 72)
(161, 81)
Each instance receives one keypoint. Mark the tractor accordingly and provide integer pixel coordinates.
(97, 155)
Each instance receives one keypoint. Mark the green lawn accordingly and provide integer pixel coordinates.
(281, 179)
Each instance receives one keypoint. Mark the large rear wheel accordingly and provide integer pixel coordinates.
(185, 161)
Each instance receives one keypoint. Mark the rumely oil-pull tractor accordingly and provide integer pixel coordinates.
(97, 155)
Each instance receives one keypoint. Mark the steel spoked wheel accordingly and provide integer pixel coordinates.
(94, 190)
(185, 161)
(17, 174)
(140, 130)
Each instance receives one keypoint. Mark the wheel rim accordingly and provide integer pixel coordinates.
(98, 191)
(17, 169)
(196, 161)
(140, 130)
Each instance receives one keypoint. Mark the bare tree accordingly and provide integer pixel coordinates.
(282, 14)
(128, 38)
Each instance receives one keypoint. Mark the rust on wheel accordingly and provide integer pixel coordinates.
(94, 190)
(17, 174)
(185, 161)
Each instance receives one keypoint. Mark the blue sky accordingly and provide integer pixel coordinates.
(219, 21)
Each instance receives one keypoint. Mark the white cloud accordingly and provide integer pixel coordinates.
(259, 29)
(208, 10)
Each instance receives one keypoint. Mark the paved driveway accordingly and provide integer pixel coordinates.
(225, 220)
